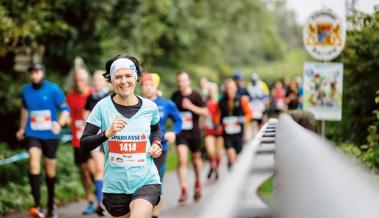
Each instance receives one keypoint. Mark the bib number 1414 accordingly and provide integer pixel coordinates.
(128, 147)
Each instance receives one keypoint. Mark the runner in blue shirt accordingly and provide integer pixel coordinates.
(126, 122)
(167, 109)
(39, 124)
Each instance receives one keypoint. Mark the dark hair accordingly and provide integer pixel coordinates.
(109, 63)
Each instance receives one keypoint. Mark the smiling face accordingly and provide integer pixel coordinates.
(124, 82)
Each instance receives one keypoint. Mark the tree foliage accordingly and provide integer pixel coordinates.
(361, 80)
(204, 37)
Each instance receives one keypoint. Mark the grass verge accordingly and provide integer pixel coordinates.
(265, 190)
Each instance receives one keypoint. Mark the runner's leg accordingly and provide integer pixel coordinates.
(255, 127)
(35, 154)
(219, 147)
(210, 145)
(140, 208)
(87, 181)
(98, 172)
(182, 151)
(98, 158)
(232, 156)
(50, 164)
(161, 166)
(197, 164)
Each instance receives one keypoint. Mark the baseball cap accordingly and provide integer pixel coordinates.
(254, 76)
(238, 75)
(155, 78)
(36, 66)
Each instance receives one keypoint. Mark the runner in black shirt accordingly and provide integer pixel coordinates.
(191, 107)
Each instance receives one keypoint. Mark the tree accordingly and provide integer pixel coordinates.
(361, 79)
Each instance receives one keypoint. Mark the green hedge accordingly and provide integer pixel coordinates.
(15, 191)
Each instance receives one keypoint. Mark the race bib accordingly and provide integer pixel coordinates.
(128, 150)
(231, 125)
(40, 120)
(187, 120)
(79, 128)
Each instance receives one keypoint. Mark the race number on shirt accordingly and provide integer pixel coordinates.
(40, 120)
(231, 125)
(187, 120)
(128, 150)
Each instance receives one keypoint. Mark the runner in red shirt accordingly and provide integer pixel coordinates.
(76, 100)
(213, 131)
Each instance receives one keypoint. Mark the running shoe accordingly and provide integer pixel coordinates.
(216, 174)
(210, 173)
(230, 167)
(197, 195)
(184, 195)
(91, 209)
(99, 210)
(36, 212)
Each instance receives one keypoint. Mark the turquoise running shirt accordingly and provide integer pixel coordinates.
(128, 166)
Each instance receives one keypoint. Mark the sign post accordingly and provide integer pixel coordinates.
(324, 38)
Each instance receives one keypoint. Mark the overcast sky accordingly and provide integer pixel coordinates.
(303, 8)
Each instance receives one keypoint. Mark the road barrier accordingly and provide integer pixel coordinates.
(313, 179)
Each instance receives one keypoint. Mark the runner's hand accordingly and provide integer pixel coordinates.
(187, 104)
(56, 128)
(117, 125)
(170, 137)
(20, 134)
(155, 150)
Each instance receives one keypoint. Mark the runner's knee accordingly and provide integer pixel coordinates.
(34, 162)
(50, 168)
(140, 208)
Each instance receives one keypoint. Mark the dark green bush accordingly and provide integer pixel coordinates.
(15, 191)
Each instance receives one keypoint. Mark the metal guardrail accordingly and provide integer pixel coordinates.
(224, 203)
(314, 179)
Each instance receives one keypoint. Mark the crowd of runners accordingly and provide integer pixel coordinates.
(120, 139)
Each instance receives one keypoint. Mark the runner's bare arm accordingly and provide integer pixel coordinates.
(21, 130)
(64, 118)
(201, 111)
(86, 114)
